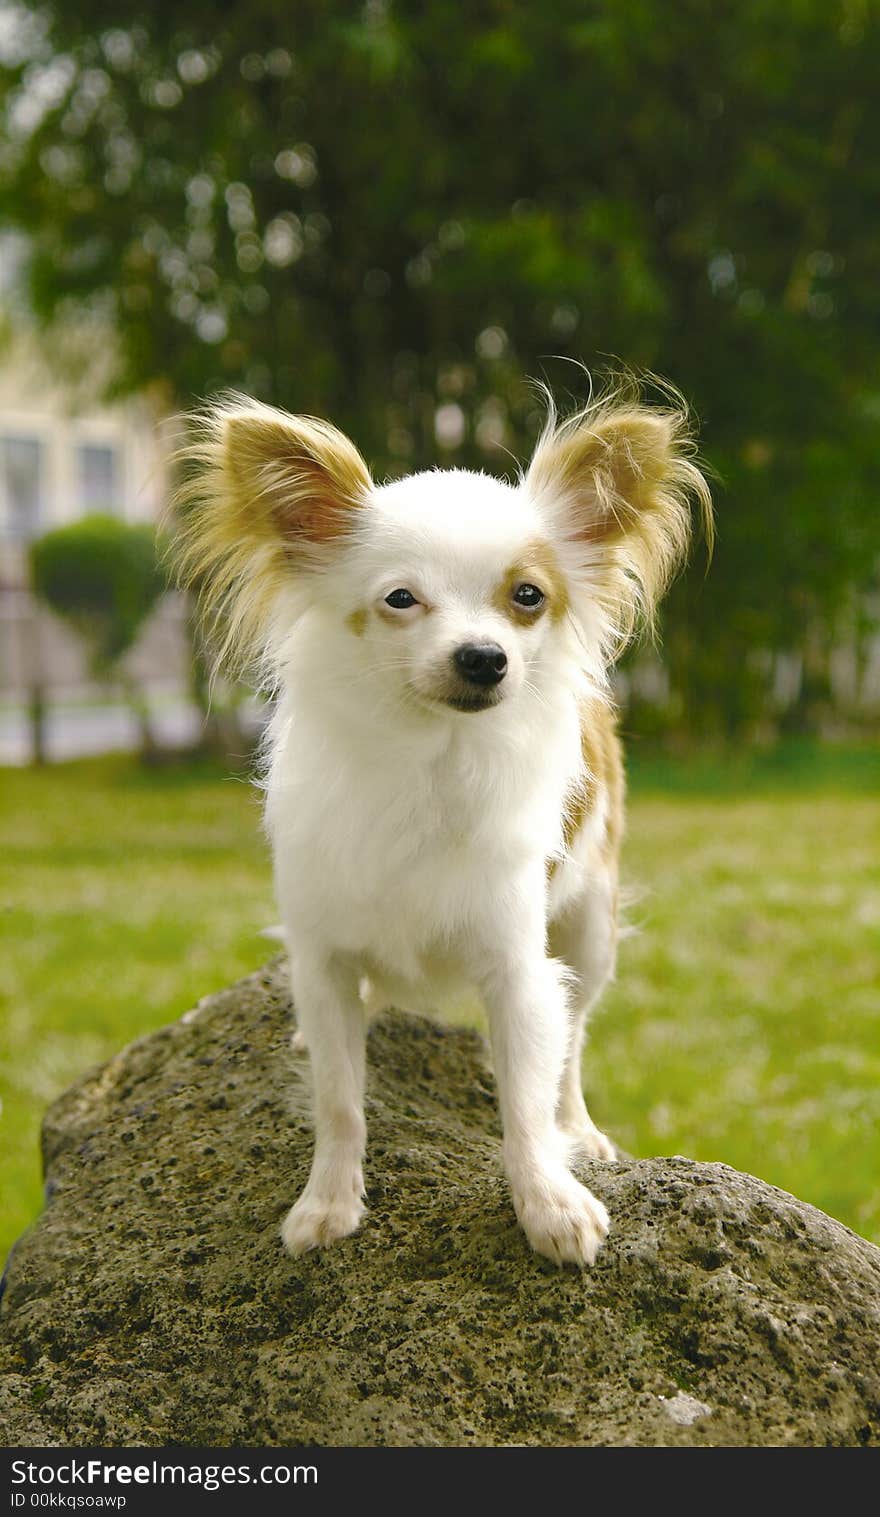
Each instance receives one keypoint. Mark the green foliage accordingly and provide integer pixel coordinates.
(104, 576)
(372, 212)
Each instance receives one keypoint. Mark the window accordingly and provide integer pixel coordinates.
(21, 485)
(99, 478)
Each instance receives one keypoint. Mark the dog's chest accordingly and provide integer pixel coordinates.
(403, 854)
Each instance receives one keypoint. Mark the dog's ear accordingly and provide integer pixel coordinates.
(264, 500)
(616, 482)
(607, 470)
(300, 475)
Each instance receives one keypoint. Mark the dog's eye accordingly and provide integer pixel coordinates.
(400, 600)
(528, 596)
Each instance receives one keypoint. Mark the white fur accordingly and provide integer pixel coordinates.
(411, 840)
(430, 836)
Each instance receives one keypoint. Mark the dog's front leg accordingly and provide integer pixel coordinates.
(525, 999)
(332, 1020)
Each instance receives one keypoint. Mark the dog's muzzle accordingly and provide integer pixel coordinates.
(480, 664)
(478, 669)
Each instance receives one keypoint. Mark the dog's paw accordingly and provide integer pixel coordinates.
(564, 1222)
(298, 1042)
(588, 1142)
(315, 1221)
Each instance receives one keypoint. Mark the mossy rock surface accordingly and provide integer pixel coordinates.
(152, 1303)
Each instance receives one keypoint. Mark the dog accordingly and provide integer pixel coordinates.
(444, 784)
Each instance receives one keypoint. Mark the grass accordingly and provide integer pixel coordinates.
(744, 1024)
(124, 897)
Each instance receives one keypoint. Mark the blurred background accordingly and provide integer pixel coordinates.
(397, 214)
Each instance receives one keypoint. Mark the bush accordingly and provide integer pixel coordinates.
(103, 576)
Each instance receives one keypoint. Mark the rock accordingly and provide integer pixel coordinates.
(152, 1303)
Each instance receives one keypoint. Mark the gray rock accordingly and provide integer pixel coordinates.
(152, 1303)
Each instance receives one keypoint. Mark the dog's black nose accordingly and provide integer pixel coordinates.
(481, 663)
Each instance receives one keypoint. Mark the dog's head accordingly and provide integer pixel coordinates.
(454, 590)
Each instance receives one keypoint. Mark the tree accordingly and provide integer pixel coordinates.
(104, 577)
(392, 215)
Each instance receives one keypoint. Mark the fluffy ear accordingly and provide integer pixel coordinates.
(301, 474)
(265, 495)
(616, 482)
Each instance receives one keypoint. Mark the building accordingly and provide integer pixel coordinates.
(64, 455)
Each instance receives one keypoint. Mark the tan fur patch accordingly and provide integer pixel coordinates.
(357, 621)
(603, 771)
(265, 494)
(538, 566)
(309, 475)
(620, 477)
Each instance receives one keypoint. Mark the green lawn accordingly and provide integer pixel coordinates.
(744, 1026)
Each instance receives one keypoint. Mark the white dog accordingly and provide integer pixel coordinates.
(444, 787)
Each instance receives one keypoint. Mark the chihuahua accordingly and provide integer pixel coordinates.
(444, 786)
